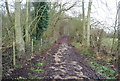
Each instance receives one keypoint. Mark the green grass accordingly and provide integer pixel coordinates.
(17, 66)
(21, 78)
(103, 70)
(83, 49)
(39, 64)
(76, 45)
(36, 70)
(37, 67)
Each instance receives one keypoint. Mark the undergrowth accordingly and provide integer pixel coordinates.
(102, 70)
(105, 70)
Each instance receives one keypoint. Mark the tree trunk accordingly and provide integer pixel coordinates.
(18, 31)
(11, 21)
(1, 47)
(27, 35)
(114, 35)
(118, 38)
(88, 23)
(83, 13)
(99, 40)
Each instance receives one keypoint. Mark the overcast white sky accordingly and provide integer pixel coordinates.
(102, 10)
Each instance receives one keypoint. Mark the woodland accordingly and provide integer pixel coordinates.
(39, 40)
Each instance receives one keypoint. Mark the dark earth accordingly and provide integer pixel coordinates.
(62, 61)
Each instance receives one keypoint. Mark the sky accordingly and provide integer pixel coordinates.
(102, 10)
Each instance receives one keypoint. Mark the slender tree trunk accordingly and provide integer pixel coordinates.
(88, 23)
(60, 4)
(114, 35)
(99, 40)
(10, 18)
(27, 35)
(83, 13)
(14, 55)
(32, 47)
(1, 47)
(18, 31)
(118, 38)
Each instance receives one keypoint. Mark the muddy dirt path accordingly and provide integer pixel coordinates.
(66, 63)
(62, 61)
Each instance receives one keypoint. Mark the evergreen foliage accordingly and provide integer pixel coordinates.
(42, 11)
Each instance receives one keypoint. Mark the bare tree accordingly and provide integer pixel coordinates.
(83, 13)
(18, 30)
(27, 35)
(88, 23)
(118, 37)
